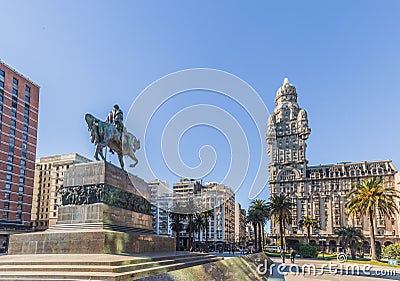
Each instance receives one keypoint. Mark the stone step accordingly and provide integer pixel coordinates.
(119, 268)
(137, 271)
(141, 273)
(54, 259)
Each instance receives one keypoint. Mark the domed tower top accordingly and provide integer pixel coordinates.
(287, 92)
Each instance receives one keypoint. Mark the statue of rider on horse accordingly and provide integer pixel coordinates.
(113, 134)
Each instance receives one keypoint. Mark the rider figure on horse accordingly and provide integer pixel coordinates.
(116, 117)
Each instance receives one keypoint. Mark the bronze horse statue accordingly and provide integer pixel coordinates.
(104, 134)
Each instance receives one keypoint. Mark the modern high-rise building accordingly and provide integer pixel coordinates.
(19, 105)
(220, 200)
(49, 175)
(160, 204)
(240, 225)
(192, 197)
(319, 191)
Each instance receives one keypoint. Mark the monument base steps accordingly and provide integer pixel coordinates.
(95, 267)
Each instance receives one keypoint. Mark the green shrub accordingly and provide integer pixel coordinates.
(392, 252)
(308, 251)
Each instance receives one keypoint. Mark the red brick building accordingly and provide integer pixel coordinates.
(19, 103)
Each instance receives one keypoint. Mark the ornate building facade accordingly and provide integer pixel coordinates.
(318, 191)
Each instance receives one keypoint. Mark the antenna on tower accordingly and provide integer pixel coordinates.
(285, 81)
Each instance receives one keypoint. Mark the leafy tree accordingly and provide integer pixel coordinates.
(392, 251)
(308, 222)
(370, 197)
(308, 251)
(281, 212)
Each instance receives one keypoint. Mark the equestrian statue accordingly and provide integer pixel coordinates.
(112, 134)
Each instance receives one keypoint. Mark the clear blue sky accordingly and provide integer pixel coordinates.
(343, 57)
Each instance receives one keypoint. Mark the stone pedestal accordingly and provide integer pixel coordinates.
(104, 210)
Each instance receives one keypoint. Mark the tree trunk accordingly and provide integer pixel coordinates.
(308, 234)
(198, 235)
(190, 232)
(177, 240)
(281, 232)
(372, 238)
(353, 251)
(255, 235)
(263, 233)
(206, 246)
(259, 237)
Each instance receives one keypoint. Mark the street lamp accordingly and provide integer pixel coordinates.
(323, 240)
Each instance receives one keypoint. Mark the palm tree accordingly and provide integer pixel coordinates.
(190, 228)
(206, 214)
(369, 197)
(308, 222)
(199, 225)
(261, 212)
(281, 211)
(253, 219)
(177, 226)
(350, 237)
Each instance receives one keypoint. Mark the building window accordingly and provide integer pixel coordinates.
(25, 128)
(14, 113)
(26, 110)
(22, 171)
(14, 102)
(5, 215)
(9, 167)
(9, 177)
(15, 86)
(21, 189)
(23, 163)
(27, 93)
(26, 120)
(8, 186)
(10, 158)
(2, 76)
(13, 123)
(12, 132)
(24, 136)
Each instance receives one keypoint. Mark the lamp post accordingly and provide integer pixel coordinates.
(323, 240)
